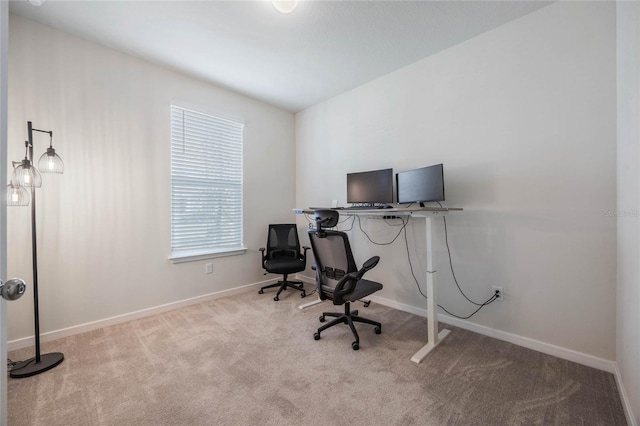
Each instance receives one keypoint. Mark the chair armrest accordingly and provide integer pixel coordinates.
(367, 266)
(344, 286)
(349, 281)
(262, 249)
(304, 253)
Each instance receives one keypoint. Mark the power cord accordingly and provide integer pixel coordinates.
(10, 365)
(353, 219)
(446, 240)
(482, 305)
(312, 222)
(404, 228)
(490, 300)
(404, 225)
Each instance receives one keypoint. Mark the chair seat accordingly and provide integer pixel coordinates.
(363, 289)
(284, 265)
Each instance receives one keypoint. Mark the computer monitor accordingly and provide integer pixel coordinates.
(421, 185)
(370, 187)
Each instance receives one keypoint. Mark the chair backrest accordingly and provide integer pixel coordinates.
(283, 242)
(333, 259)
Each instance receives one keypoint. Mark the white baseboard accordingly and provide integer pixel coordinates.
(546, 348)
(626, 404)
(94, 325)
(306, 279)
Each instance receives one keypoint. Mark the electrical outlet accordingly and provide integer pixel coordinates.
(499, 291)
(208, 268)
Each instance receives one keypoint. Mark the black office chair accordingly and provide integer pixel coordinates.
(283, 256)
(337, 277)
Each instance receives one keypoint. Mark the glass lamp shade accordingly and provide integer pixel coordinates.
(17, 196)
(50, 162)
(285, 6)
(26, 175)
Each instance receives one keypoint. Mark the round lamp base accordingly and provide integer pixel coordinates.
(30, 367)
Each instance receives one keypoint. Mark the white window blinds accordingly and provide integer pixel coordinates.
(206, 184)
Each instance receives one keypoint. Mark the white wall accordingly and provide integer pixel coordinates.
(104, 224)
(628, 288)
(524, 120)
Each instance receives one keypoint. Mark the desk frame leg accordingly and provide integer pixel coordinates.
(306, 305)
(433, 337)
(315, 302)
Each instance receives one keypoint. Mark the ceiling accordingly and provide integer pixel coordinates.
(293, 61)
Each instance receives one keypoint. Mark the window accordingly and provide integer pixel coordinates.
(206, 185)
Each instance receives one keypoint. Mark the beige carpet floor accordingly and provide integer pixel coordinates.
(247, 360)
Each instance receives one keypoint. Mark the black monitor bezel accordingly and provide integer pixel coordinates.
(388, 197)
(417, 170)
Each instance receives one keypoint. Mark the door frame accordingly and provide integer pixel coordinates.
(4, 53)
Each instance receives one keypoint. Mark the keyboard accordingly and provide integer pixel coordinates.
(367, 207)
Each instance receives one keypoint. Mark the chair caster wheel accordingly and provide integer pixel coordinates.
(354, 313)
(377, 330)
(276, 298)
(355, 346)
(322, 318)
(316, 336)
(260, 291)
(303, 294)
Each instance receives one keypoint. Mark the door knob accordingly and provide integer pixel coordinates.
(12, 289)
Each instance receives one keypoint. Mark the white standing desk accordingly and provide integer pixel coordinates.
(428, 213)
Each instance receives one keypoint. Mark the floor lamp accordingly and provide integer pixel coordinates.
(26, 175)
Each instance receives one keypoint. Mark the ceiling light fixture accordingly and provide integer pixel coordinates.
(285, 6)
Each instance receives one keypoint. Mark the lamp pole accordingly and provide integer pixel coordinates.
(39, 363)
(34, 251)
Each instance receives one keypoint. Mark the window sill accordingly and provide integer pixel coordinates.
(194, 255)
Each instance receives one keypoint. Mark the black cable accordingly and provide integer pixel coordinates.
(482, 305)
(313, 222)
(406, 243)
(404, 228)
(404, 225)
(10, 365)
(490, 300)
(353, 219)
(446, 240)
(308, 217)
(388, 218)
